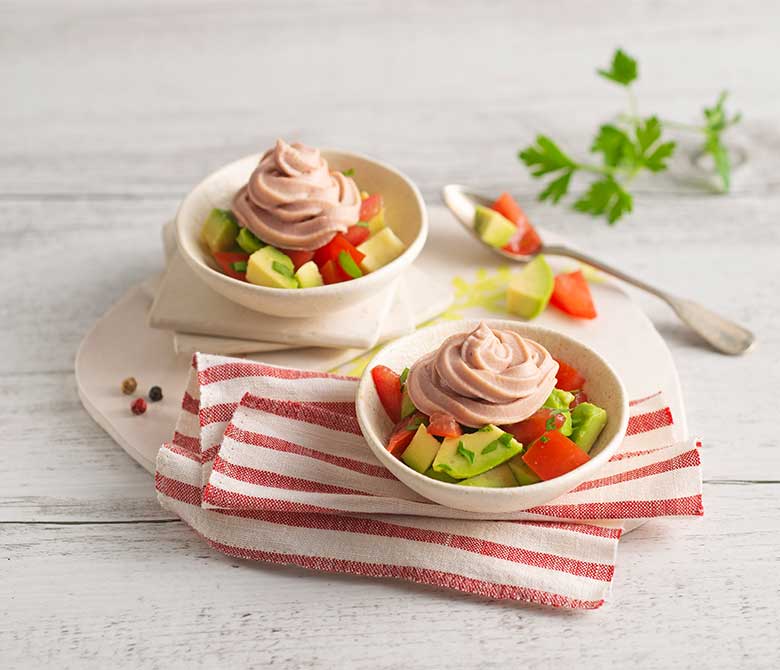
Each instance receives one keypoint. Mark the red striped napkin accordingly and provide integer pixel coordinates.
(268, 464)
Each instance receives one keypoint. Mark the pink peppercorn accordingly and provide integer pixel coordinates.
(138, 406)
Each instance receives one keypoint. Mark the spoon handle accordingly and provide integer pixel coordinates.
(720, 333)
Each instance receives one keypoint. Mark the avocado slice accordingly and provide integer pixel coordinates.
(379, 249)
(474, 453)
(497, 478)
(308, 275)
(492, 228)
(523, 474)
(248, 241)
(440, 476)
(407, 406)
(559, 401)
(421, 450)
(270, 267)
(220, 230)
(530, 289)
(588, 420)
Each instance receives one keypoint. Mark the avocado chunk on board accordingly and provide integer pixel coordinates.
(270, 267)
(421, 450)
(530, 289)
(220, 230)
(588, 420)
(493, 228)
(496, 478)
(523, 474)
(474, 453)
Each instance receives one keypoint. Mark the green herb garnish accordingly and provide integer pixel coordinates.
(348, 173)
(415, 424)
(444, 467)
(239, 266)
(466, 453)
(282, 269)
(485, 429)
(349, 266)
(362, 224)
(544, 439)
(625, 148)
(491, 447)
(550, 423)
(505, 439)
(404, 376)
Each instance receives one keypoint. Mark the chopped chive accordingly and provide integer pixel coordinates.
(349, 173)
(485, 429)
(505, 439)
(239, 266)
(550, 425)
(443, 467)
(349, 266)
(544, 439)
(362, 224)
(491, 447)
(282, 269)
(466, 453)
(404, 375)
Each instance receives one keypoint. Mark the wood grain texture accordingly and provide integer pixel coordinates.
(112, 112)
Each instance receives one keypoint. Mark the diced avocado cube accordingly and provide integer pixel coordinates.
(270, 267)
(497, 478)
(380, 249)
(421, 450)
(588, 420)
(474, 453)
(523, 474)
(377, 222)
(220, 230)
(308, 275)
(407, 406)
(530, 289)
(248, 241)
(440, 476)
(493, 228)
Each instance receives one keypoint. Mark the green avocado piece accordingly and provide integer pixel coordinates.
(407, 406)
(308, 275)
(523, 474)
(472, 454)
(492, 228)
(530, 289)
(248, 241)
(440, 476)
(220, 230)
(497, 478)
(421, 450)
(560, 400)
(377, 222)
(588, 420)
(270, 267)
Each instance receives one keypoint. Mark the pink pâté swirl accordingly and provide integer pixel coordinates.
(484, 376)
(293, 201)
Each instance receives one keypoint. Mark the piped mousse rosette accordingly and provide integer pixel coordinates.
(489, 408)
(298, 224)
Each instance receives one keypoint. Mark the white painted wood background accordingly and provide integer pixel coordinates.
(111, 111)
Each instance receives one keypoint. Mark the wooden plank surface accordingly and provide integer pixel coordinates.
(111, 112)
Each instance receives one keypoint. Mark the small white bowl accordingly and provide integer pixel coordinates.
(405, 213)
(603, 387)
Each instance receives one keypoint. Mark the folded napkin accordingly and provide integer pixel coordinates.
(268, 464)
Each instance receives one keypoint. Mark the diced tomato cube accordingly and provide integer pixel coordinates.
(579, 398)
(507, 206)
(402, 434)
(526, 240)
(527, 430)
(356, 235)
(298, 257)
(332, 273)
(526, 243)
(388, 387)
(330, 252)
(371, 206)
(444, 425)
(225, 260)
(568, 377)
(572, 295)
(553, 455)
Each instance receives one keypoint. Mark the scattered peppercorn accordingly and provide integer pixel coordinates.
(155, 393)
(129, 385)
(138, 406)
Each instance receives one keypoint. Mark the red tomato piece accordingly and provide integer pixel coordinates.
(444, 425)
(298, 257)
(527, 430)
(579, 398)
(553, 455)
(356, 235)
(507, 206)
(332, 273)
(371, 206)
(568, 377)
(572, 295)
(526, 240)
(330, 252)
(388, 387)
(225, 260)
(403, 432)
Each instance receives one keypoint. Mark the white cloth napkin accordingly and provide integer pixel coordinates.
(268, 464)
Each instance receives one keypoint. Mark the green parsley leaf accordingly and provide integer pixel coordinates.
(404, 375)
(716, 121)
(623, 70)
(557, 188)
(282, 269)
(466, 453)
(615, 146)
(544, 439)
(550, 423)
(414, 424)
(349, 173)
(491, 447)
(720, 155)
(505, 439)
(545, 157)
(605, 197)
(485, 429)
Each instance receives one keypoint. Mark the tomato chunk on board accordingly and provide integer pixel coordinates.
(225, 260)
(536, 425)
(553, 455)
(568, 377)
(371, 206)
(388, 387)
(402, 434)
(572, 295)
(444, 425)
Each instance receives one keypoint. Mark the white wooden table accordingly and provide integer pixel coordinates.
(109, 115)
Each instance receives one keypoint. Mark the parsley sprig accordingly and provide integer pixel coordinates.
(623, 150)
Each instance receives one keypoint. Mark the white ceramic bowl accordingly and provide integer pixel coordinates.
(603, 387)
(405, 213)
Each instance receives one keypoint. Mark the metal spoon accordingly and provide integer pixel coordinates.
(721, 334)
